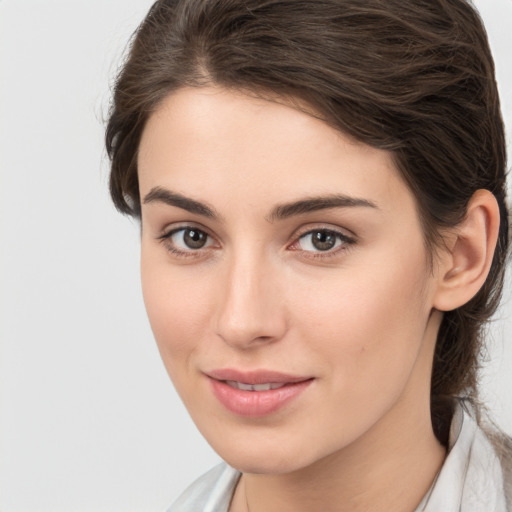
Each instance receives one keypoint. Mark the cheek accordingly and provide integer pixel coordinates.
(366, 337)
(176, 309)
(368, 321)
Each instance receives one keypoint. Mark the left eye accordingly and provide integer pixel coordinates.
(186, 239)
(322, 240)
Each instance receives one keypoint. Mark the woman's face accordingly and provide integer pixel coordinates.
(285, 278)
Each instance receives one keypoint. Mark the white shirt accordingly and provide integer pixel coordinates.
(470, 480)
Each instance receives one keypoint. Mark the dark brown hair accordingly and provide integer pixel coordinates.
(415, 78)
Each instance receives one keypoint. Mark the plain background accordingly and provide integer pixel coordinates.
(88, 418)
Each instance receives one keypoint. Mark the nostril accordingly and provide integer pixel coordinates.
(264, 338)
(248, 311)
(250, 334)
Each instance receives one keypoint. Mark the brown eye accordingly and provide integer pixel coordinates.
(194, 239)
(322, 240)
(188, 239)
(319, 240)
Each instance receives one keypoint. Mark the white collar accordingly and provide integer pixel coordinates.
(471, 479)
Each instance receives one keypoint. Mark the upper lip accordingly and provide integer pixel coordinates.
(254, 376)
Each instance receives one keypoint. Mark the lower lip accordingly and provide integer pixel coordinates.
(254, 404)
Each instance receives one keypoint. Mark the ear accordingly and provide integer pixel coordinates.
(464, 265)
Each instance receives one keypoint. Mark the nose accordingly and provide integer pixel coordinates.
(250, 307)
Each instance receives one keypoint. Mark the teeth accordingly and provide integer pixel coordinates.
(255, 387)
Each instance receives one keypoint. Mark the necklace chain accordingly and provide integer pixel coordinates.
(246, 499)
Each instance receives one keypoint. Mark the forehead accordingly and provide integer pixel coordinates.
(218, 144)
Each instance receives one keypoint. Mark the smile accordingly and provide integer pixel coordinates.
(256, 394)
(254, 387)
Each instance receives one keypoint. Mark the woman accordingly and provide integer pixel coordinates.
(321, 189)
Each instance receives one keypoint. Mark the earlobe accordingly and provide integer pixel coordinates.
(465, 264)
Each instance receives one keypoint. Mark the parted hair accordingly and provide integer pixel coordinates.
(414, 78)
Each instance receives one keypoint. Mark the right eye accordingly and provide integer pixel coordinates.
(186, 240)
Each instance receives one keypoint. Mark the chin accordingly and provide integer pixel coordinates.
(265, 463)
(268, 454)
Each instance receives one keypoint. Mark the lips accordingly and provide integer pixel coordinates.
(255, 393)
(254, 387)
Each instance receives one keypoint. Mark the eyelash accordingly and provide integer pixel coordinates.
(166, 240)
(344, 242)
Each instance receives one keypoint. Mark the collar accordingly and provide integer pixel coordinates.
(471, 479)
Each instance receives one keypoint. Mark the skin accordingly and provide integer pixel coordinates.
(359, 319)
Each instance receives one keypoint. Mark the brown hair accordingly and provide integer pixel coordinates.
(415, 78)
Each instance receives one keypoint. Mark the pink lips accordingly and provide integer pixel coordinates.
(262, 392)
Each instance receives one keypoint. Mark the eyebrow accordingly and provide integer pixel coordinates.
(313, 204)
(162, 195)
(280, 212)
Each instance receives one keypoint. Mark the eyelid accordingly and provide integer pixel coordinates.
(311, 228)
(347, 240)
(171, 230)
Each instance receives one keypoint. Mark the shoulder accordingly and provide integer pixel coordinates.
(475, 476)
(488, 465)
(210, 492)
(502, 445)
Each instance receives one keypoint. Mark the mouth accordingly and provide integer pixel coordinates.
(254, 387)
(257, 393)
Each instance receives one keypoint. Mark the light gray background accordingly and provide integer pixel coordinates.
(88, 419)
